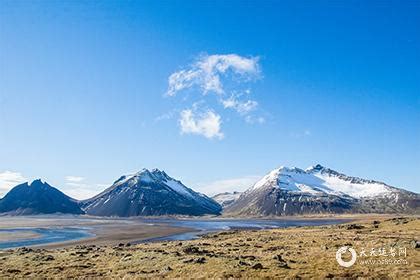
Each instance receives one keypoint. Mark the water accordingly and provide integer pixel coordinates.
(198, 227)
(201, 227)
(46, 236)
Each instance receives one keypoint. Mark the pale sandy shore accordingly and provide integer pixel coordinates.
(104, 230)
(6, 236)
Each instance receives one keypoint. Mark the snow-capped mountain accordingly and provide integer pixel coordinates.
(227, 198)
(317, 179)
(37, 198)
(289, 191)
(148, 193)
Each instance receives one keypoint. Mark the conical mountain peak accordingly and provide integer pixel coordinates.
(148, 193)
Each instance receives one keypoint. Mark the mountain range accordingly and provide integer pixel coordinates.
(318, 190)
(283, 191)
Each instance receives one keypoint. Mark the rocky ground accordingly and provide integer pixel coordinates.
(305, 252)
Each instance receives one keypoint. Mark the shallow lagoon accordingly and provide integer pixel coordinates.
(198, 227)
(44, 236)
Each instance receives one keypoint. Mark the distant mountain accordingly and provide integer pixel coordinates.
(37, 198)
(227, 198)
(292, 191)
(149, 193)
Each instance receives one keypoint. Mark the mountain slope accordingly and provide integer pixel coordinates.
(227, 198)
(149, 193)
(290, 191)
(37, 198)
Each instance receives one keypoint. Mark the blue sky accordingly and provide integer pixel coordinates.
(84, 90)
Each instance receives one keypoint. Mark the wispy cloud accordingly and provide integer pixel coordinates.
(9, 179)
(76, 187)
(74, 178)
(206, 123)
(242, 107)
(165, 116)
(208, 70)
(81, 191)
(228, 185)
(221, 75)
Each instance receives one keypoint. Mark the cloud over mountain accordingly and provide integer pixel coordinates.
(9, 179)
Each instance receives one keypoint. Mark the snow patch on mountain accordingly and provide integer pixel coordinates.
(226, 198)
(320, 180)
(155, 175)
(178, 187)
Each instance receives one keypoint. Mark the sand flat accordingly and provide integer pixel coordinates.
(15, 236)
(105, 230)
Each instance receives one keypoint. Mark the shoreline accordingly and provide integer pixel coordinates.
(17, 236)
(106, 230)
(109, 237)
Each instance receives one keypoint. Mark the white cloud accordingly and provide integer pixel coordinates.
(208, 70)
(207, 123)
(74, 178)
(227, 185)
(10, 179)
(242, 107)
